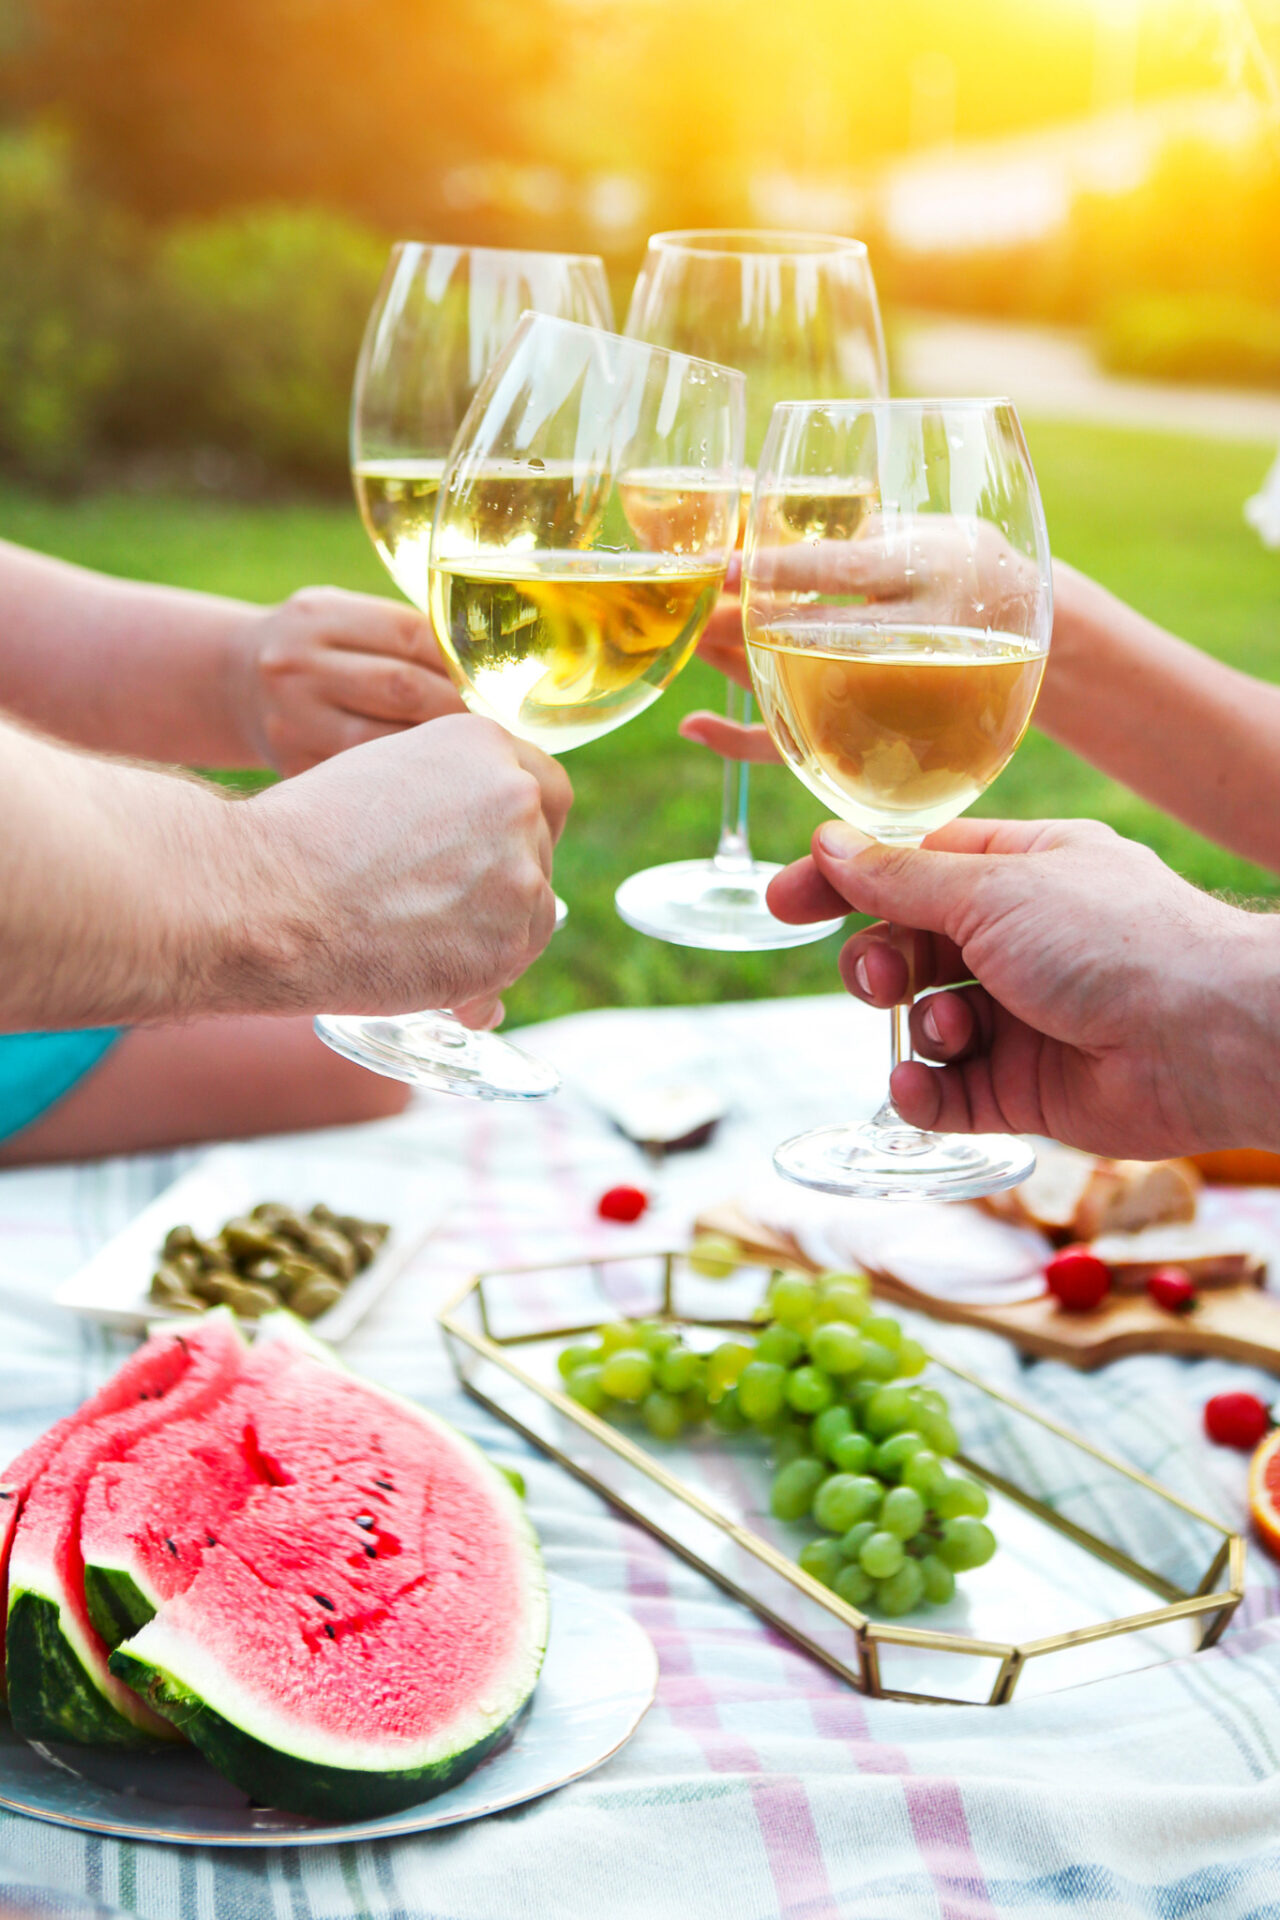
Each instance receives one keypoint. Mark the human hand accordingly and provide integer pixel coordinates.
(412, 872)
(327, 670)
(1116, 1008)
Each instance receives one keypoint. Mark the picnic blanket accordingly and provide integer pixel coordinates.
(759, 1786)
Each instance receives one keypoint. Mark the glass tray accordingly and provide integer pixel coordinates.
(1099, 1571)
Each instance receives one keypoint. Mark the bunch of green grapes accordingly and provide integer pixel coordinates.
(858, 1445)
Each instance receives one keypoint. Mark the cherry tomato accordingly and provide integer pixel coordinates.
(1077, 1279)
(1171, 1288)
(622, 1203)
(1236, 1420)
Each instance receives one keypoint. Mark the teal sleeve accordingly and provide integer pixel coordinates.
(37, 1069)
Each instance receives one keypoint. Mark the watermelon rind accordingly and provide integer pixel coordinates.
(117, 1607)
(273, 1778)
(66, 1705)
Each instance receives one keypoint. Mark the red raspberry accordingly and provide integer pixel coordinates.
(622, 1203)
(1171, 1288)
(1236, 1420)
(1077, 1279)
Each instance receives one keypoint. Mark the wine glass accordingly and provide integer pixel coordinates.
(586, 518)
(897, 607)
(441, 317)
(797, 312)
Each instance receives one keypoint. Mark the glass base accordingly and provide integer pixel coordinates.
(897, 1162)
(695, 903)
(562, 912)
(435, 1050)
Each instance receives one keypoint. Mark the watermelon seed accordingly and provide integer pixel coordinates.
(173, 1550)
(321, 1601)
(329, 1630)
(211, 1539)
(365, 1520)
(372, 1552)
(388, 1484)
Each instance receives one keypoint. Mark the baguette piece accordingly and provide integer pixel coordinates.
(1210, 1257)
(1076, 1196)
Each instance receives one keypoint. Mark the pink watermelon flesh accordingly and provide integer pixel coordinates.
(151, 1516)
(174, 1375)
(148, 1373)
(376, 1604)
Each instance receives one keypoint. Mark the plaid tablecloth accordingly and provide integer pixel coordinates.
(759, 1786)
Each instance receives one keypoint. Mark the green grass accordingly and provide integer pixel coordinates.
(1157, 517)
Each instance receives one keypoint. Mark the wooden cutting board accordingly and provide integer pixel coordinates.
(1232, 1323)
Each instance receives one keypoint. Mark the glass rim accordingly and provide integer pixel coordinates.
(399, 247)
(901, 403)
(794, 244)
(531, 317)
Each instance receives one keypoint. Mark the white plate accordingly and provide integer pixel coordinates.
(598, 1682)
(114, 1286)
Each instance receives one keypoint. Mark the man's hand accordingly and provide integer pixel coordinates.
(419, 869)
(1115, 1007)
(328, 670)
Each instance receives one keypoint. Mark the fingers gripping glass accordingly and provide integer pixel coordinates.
(798, 314)
(586, 518)
(897, 607)
(441, 318)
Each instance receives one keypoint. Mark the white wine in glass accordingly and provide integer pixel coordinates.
(897, 662)
(797, 312)
(442, 317)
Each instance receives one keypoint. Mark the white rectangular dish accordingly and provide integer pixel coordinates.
(113, 1287)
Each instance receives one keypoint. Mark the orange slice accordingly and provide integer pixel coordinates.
(1264, 1492)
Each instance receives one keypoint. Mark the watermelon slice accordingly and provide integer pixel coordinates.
(370, 1619)
(58, 1683)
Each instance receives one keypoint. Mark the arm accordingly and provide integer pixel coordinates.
(411, 872)
(1116, 1008)
(125, 667)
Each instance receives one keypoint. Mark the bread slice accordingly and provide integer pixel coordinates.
(1076, 1196)
(1210, 1257)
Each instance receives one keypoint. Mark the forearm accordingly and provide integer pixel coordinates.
(128, 894)
(122, 666)
(1186, 732)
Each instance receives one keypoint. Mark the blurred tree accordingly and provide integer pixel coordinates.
(213, 103)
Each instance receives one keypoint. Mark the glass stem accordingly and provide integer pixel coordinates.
(733, 854)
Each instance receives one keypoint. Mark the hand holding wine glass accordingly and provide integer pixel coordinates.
(896, 662)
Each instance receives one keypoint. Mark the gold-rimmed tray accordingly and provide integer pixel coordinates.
(1100, 1569)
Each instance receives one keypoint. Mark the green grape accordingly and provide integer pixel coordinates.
(924, 1471)
(809, 1389)
(791, 1301)
(858, 1394)
(616, 1335)
(893, 1454)
(571, 1358)
(761, 1390)
(655, 1338)
(664, 1416)
(783, 1345)
(822, 1559)
(835, 1347)
(901, 1591)
(832, 1424)
(938, 1431)
(854, 1586)
(878, 1361)
(880, 1327)
(844, 1499)
(958, 1495)
(931, 1398)
(912, 1358)
(694, 1402)
(850, 1543)
(843, 1301)
(678, 1369)
(627, 1374)
(965, 1543)
(726, 1415)
(794, 1488)
(724, 1366)
(881, 1555)
(713, 1257)
(790, 1442)
(939, 1581)
(902, 1512)
(852, 1453)
(888, 1411)
(585, 1387)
